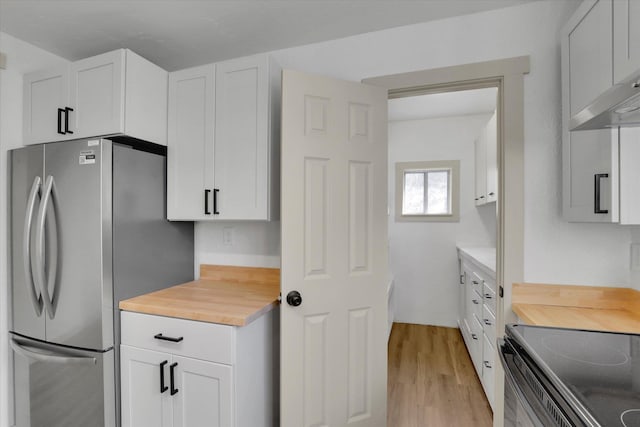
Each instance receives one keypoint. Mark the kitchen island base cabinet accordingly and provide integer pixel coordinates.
(198, 374)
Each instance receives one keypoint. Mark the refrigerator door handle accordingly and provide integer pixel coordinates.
(49, 193)
(42, 355)
(36, 297)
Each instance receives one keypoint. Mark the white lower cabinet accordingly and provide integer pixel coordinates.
(478, 318)
(184, 373)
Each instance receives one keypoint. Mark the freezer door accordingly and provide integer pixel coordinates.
(78, 187)
(26, 183)
(59, 387)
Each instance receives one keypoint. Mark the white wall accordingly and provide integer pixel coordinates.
(555, 251)
(21, 58)
(422, 255)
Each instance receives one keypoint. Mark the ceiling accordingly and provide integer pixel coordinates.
(461, 103)
(182, 33)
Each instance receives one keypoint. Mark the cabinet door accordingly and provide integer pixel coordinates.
(590, 53)
(481, 168)
(190, 144)
(143, 403)
(242, 138)
(590, 176)
(492, 159)
(45, 92)
(626, 38)
(97, 95)
(204, 394)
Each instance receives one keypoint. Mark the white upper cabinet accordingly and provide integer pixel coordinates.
(588, 47)
(590, 176)
(46, 94)
(492, 158)
(626, 38)
(486, 163)
(223, 141)
(190, 148)
(481, 168)
(116, 93)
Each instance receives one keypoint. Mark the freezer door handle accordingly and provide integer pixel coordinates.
(52, 262)
(43, 355)
(36, 298)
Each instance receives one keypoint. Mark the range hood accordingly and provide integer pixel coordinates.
(618, 106)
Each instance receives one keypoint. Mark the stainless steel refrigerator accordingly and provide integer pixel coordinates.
(88, 228)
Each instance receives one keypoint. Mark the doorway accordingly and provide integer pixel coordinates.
(508, 76)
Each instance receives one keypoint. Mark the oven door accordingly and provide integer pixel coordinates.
(522, 406)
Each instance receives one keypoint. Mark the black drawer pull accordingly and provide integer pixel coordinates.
(488, 296)
(162, 337)
(66, 119)
(215, 201)
(487, 322)
(60, 113)
(487, 364)
(171, 368)
(163, 387)
(206, 202)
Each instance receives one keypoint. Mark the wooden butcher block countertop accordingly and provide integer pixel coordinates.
(577, 307)
(228, 295)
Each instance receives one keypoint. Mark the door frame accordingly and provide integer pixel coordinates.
(508, 76)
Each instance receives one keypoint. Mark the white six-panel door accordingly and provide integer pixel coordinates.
(334, 252)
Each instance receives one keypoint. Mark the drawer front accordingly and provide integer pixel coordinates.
(475, 301)
(476, 282)
(200, 340)
(489, 298)
(476, 343)
(488, 369)
(490, 283)
(489, 324)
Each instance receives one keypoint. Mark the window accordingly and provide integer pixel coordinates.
(427, 191)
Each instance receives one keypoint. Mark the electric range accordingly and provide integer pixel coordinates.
(569, 377)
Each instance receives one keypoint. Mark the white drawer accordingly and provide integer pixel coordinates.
(476, 343)
(490, 283)
(200, 340)
(489, 324)
(475, 301)
(489, 298)
(476, 282)
(488, 369)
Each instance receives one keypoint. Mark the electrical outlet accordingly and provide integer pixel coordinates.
(227, 236)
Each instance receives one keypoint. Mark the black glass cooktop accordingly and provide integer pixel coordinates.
(598, 372)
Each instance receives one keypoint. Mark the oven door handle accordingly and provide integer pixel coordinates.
(522, 399)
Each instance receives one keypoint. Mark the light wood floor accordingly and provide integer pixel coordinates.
(432, 382)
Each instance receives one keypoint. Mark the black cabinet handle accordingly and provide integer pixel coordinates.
(162, 337)
(492, 193)
(60, 112)
(163, 387)
(66, 119)
(487, 322)
(487, 364)
(206, 202)
(474, 336)
(488, 296)
(215, 201)
(475, 301)
(596, 193)
(171, 369)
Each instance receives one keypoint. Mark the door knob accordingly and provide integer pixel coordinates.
(294, 298)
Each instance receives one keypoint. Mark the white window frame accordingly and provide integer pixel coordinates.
(453, 166)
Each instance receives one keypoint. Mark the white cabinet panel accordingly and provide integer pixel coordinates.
(590, 176)
(205, 391)
(481, 168)
(97, 95)
(626, 38)
(590, 53)
(190, 148)
(45, 96)
(488, 368)
(143, 403)
(492, 158)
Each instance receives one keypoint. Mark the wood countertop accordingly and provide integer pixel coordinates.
(224, 294)
(578, 307)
